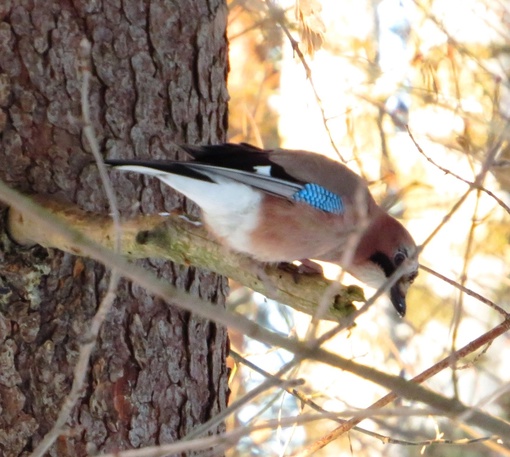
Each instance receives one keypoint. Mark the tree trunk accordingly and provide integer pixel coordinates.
(159, 77)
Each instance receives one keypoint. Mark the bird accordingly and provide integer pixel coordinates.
(281, 205)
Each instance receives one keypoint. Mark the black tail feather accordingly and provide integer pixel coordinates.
(167, 166)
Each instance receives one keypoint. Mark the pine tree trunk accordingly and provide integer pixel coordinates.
(159, 77)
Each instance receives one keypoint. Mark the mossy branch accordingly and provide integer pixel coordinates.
(176, 238)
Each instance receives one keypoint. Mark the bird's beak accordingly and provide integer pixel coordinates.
(398, 296)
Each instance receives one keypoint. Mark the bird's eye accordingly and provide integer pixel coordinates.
(399, 258)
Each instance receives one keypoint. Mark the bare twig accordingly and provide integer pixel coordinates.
(457, 315)
(86, 347)
(467, 291)
(305, 400)
(227, 439)
(471, 184)
(492, 153)
(452, 41)
(278, 16)
(274, 381)
(474, 345)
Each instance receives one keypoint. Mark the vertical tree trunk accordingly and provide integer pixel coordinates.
(159, 72)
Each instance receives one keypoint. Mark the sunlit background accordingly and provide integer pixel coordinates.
(366, 72)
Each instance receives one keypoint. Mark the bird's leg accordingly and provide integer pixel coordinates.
(307, 267)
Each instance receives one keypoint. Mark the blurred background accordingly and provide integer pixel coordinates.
(352, 79)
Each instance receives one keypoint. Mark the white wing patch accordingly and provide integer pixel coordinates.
(263, 170)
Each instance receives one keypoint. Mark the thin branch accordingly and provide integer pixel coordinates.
(305, 399)
(474, 345)
(446, 171)
(279, 17)
(457, 315)
(79, 373)
(487, 163)
(86, 348)
(368, 412)
(467, 291)
(455, 43)
(227, 439)
(274, 381)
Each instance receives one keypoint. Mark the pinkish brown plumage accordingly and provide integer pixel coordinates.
(280, 206)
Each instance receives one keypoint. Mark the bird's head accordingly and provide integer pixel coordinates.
(387, 248)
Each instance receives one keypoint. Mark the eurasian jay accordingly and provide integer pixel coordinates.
(282, 205)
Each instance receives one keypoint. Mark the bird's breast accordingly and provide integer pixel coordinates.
(279, 230)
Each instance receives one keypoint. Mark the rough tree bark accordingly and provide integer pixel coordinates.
(159, 70)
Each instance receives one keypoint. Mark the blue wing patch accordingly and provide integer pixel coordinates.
(319, 198)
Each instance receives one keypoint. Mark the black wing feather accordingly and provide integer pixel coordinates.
(238, 162)
(241, 156)
(167, 166)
